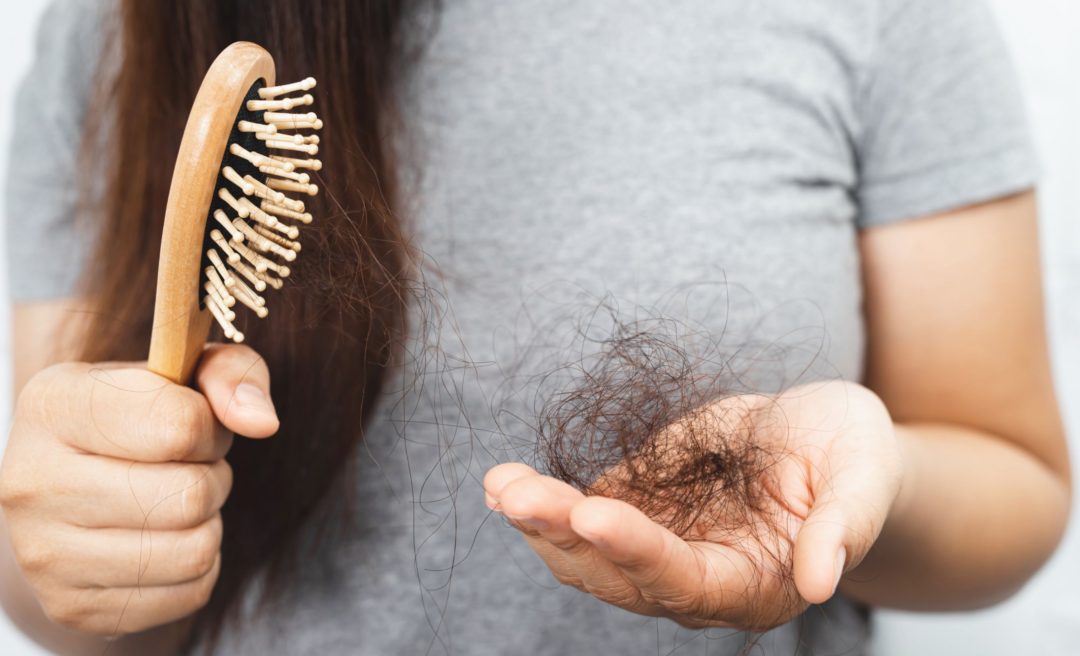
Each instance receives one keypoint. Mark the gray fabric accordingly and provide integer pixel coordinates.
(46, 246)
(940, 122)
(711, 161)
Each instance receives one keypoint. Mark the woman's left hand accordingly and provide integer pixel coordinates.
(829, 490)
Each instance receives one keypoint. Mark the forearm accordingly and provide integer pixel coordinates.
(975, 518)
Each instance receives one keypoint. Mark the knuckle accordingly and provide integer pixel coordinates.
(225, 475)
(181, 420)
(204, 587)
(47, 379)
(572, 547)
(525, 530)
(35, 558)
(568, 579)
(622, 596)
(64, 610)
(201, 549)
(196, 496)
(91, 612)
(16, 492)
(686, 604)
(692, 623)
(47, 393)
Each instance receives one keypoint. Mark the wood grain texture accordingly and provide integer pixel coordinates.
(180, 327)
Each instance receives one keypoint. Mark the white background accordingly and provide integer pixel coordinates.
(1045, 38)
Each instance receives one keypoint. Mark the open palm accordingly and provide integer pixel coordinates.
(752, 562)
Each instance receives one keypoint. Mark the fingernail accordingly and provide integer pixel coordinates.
(841, 560)
(249, 396)
(534, 523)
(492, 502)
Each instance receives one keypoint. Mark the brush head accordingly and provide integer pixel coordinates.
(231, 229)
(252, 228)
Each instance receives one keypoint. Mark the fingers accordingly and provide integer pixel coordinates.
(114, 581)
(530, 511)
(649, 555)
(236, 382)
(123, 412)
(107, 493)
(698, 584)
(615, 552)
(112, 483)
(541, 503)
(119, 611)
(499, 476)
(129, 558)
(541, 507)
(126, 412)
(533, 503)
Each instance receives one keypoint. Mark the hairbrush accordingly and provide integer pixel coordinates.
(231, 221)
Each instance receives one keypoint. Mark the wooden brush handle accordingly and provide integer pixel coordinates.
(180, 327)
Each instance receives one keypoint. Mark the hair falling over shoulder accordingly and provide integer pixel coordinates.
(347, 304)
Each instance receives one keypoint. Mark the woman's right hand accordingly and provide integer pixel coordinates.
(113, 480)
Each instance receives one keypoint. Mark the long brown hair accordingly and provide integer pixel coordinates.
(336, 328)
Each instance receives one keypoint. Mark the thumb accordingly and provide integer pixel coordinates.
(841, 528)
(236, 382)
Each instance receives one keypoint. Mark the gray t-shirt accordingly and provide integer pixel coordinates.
(710, 160)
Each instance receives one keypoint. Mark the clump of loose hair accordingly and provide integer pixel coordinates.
(640, 409)
(658, 416)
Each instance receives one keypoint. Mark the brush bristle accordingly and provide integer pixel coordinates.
(251, 231)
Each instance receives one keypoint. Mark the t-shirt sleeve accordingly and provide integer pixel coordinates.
(942, 118)
(46, 249)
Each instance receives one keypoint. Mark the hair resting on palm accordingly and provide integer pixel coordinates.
(751, 499)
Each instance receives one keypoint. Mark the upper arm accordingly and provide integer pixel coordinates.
(955, 321)
(953, 300)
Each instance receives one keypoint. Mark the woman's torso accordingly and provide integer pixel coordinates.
(703, 161)
(694, 161)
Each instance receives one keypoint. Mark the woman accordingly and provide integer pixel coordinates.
(860, 168)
